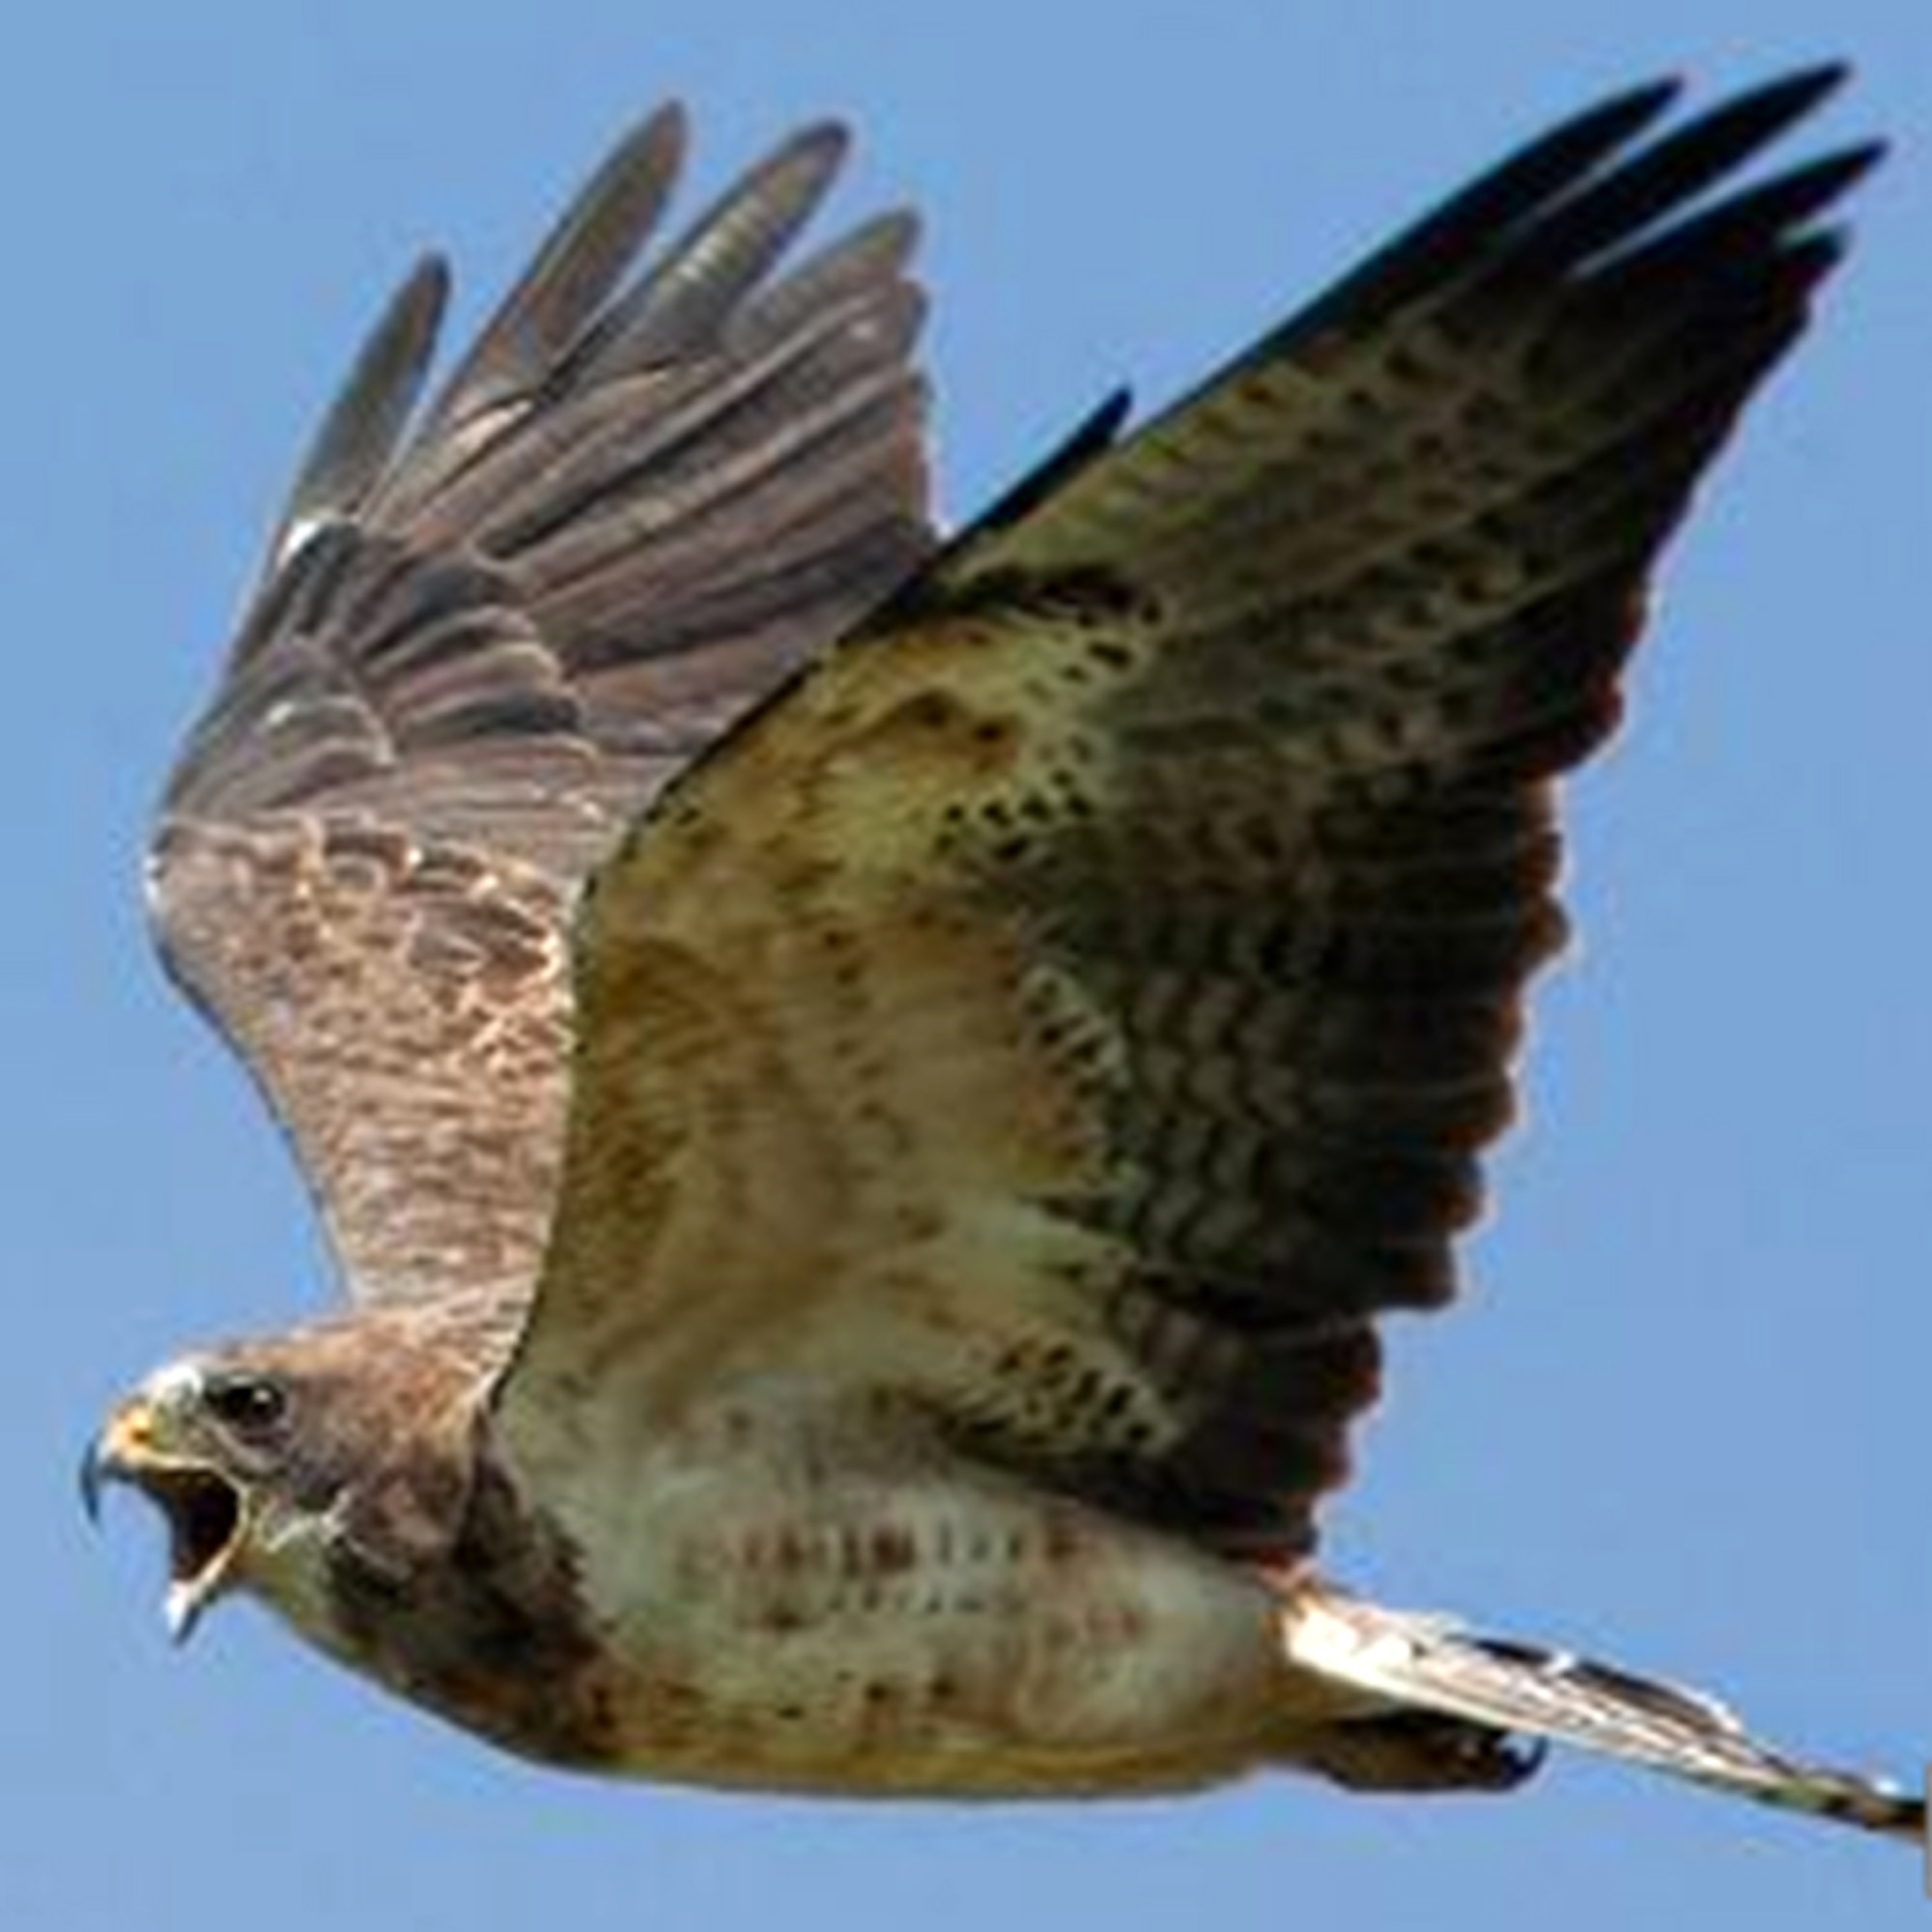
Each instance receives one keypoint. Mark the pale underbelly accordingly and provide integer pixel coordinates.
(941, 1643)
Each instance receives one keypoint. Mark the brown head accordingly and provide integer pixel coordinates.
(276, 1462)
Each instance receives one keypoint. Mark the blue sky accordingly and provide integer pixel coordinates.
(1681, 1420)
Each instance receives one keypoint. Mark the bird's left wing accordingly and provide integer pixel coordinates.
(488, 631)
(1072, 1013)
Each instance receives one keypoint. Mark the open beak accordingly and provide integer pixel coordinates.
(204, 1509)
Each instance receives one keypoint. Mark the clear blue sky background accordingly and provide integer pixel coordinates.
(1684, 1418)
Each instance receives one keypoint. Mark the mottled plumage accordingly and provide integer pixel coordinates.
(871, 1099)
(481, 646)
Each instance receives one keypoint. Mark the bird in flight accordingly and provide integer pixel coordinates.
(870, 1093)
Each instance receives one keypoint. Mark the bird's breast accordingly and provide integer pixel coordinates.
(772, 1620)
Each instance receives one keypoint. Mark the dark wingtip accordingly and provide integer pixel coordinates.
(1850, 165)
(669, 121)
(1636, 106)
(1768, 109)
(424, 293)
(1596, 133)
(1800, 90)
(92, 1477)
(366, 419)
(828, 141)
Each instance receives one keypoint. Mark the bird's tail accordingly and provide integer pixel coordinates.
(1424, 1664)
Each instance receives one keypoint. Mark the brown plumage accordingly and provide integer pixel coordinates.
(483, 643)
(868, 1294)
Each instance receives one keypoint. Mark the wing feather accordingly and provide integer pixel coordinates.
(486, 639)
(569, 282)
(359, 434)
(1074, 1010)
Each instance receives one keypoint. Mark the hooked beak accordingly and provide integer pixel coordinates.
(204, 1509)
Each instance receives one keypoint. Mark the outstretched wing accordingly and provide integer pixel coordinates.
(484, 641)
(1073, 1011)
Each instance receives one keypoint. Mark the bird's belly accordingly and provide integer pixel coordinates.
(939, 1638)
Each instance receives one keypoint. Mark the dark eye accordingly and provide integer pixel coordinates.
(250, 1403)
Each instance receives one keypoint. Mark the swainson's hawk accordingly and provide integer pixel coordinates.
(869, 1095)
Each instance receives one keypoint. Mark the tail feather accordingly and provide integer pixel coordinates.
(1423, 1663)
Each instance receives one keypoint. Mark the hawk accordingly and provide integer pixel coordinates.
(870, 1093)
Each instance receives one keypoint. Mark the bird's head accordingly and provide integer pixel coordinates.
(272, 1461)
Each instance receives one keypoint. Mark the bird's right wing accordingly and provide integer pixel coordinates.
(1065, 1019)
